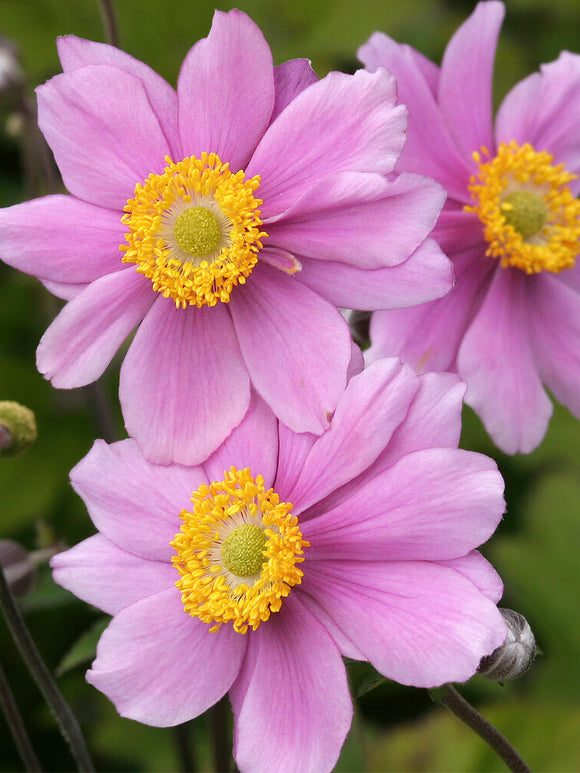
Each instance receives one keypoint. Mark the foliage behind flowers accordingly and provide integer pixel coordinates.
(535, 549)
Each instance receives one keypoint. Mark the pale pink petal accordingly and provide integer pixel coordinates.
(63, 290)
(183, 386)
(76, 52)
(430, 148)
(104, 135)
(466, 78)
(457, 230)
(341, 123)
(554, 127)
(253, 443)
(162, 667)
(481, 573)
(82, 340)
(296, 347)
(434, 504)
(280, 259)
(428, 336)
(497, 362)
(360, 219)
(226, 91)
(555, 335)
(293, 448)
(135, 503)
(433, 419)
(291, 701)
(290, 78)
(108, 577)
(426, 275)
(373, 405)
(417, 622)
(62, 239)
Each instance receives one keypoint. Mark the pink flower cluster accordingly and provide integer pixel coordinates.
(277, 506)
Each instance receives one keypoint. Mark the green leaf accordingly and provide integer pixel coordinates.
(84, 649)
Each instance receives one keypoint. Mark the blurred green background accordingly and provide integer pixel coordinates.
(535, 548)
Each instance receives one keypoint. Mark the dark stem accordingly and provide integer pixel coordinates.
(102, 411)
(110, 22)
(220, 735)
(473, 719)
(16, 725)
(185, 747)
(67, 722)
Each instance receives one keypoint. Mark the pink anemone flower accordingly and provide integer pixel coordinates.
(511, 226)
(292, 551)
(224, 220)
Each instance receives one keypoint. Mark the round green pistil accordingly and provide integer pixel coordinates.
(527, 213)
(197, 231)
(243, 550)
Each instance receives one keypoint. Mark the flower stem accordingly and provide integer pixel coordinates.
(453, 701)
(110, 22)
(67, 722)
(16, 725)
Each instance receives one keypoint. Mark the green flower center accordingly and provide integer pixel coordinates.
(525, 211)
(242, 550)
(197, 231)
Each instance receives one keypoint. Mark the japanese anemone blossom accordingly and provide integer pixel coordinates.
(293, 550)
(227, 219)
(510, 225)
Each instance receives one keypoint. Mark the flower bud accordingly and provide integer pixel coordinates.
(18, 566)
(11, 72)
(515, 655)
(17, 428)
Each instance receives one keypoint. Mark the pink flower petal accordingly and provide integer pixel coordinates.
(253, 443)
(426, 275)
(63, 290)
(429, 149)
(429, 336)
(99, 118)
(76, 52)
(434, 504)
(290, 78)
(296, 347)
(61, 238)
(108, 577)
(183, 386)
(466, 78)
(419, 623)
(226, 91)
(135, 503)
(555, 127)
(293, 449)
(360, 219)
(162, 667)
(555, 336)
(291, 701)
(373, 405)
(341, 123)
(82, 340)
(497, 362)
(481, 573)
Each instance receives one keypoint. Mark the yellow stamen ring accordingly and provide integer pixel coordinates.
(194, 230)
(531, 218)
(237, 552)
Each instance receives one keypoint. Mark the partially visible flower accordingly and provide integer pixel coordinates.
(292, 551)
(516, 654)
(226, 220)
(511, 226)
(18, 567)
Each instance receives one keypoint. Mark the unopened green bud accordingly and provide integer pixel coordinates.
(17, 428)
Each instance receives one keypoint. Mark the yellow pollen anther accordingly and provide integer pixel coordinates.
(197, 231)
(237, 552)
(531, 218)
(194, 230)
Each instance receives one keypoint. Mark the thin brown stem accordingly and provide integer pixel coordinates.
(457, 704)
(110, 22)
(16, 726)
(67, 722)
